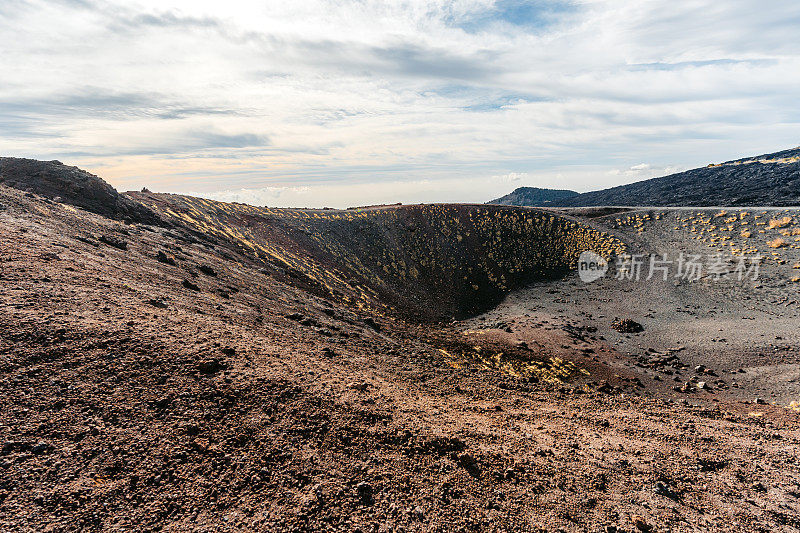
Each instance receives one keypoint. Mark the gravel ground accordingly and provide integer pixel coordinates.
(200, 391)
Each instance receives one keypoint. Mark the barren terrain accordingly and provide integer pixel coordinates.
(224, 367)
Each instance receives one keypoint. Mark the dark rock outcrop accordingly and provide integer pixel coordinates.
(73, 186)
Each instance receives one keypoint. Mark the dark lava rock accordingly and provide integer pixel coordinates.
(663, 490)
(365, 493)
(641, 524)
(211, 366)
(158, 302)
(207, 270)
(191, 286)
(39, 448)
(114, 242)
(166, 259)
(87, 240)
(328, 352)
(626, 325)
(74, 186)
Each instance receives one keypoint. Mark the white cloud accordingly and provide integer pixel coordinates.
(511, 177)
(342, 195)
(394, 99)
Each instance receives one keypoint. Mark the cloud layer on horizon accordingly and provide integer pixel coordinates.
(323, 101)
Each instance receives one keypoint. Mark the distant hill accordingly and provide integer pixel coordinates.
(768, 180)
(535, 196)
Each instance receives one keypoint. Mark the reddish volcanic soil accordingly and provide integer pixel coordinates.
(206, 391)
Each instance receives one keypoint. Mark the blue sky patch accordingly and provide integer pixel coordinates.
(531, 15)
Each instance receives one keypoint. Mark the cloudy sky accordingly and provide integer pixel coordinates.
(340, 102)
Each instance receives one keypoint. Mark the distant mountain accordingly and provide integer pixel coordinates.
(535, 196)
(768, 180)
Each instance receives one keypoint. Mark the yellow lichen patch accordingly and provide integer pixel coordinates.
(776, 243)
(554, 370)
(450, 359)
(779, 222)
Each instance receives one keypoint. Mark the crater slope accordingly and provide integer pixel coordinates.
(430, 261)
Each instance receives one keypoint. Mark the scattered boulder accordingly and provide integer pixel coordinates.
(211, 366)
(114, 242)
(365, 493)
(158, 302)
(641, 524)
(328, 352)
(87, 240)
(626, 325)
(605, 387)
(360, 386)
(469, 463)
(207, 270)
(663, 490)
(163, 257)
(369, 321)
(191, 286)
